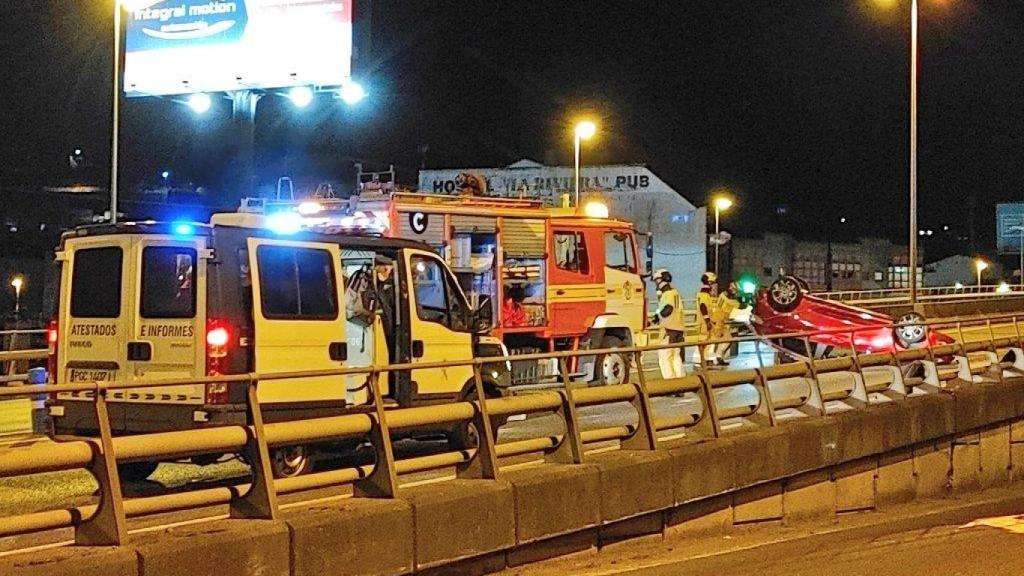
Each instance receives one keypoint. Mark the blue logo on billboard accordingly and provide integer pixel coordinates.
(179, 23)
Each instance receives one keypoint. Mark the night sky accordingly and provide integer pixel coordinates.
(799, 106)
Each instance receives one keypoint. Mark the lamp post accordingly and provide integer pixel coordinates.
(980, 265)
(913, 154)
(721, 203)
(584, 131)
(912, 249)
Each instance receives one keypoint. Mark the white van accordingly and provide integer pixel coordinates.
(148, 300)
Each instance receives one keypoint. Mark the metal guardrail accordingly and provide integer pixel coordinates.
(904, 374)
(933, 293)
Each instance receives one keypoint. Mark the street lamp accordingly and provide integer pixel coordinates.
(980, 265)
(584, 131)
(17, 282)
(721, 204)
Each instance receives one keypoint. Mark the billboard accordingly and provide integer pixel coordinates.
(187, 46)
(1009, 227)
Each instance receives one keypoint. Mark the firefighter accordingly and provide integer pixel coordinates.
(706, 303)
(724, 305)
(670, 317)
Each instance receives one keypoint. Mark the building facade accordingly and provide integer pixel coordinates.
(868, 264)
(632, 193)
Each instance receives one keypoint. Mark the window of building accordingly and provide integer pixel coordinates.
(96, 283)
(297, 283)
(618, 251)
(168, 282)
(899, 277)
(571, 252)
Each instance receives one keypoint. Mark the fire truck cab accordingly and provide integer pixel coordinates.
(562, 278)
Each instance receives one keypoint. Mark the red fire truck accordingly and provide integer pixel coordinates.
(559, 278)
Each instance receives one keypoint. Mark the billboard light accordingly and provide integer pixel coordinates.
(200, 103)
(301, 96)
(352, 93)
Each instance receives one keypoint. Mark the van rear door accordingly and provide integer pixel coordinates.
(133, 311)
(298, 318)
(169, 326)
(95, 316)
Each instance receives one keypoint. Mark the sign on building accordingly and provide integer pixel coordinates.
(187, 46)
(1009, 227)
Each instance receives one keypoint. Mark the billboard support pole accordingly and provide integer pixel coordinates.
(243, 116)
(115, 112)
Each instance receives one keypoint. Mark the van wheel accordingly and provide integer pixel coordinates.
(290, 461)
(465, 436)
(136, 471)
(611, 369)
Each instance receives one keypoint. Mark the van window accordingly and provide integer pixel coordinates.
(296, 283)
(571, 252)
(618, 251)
(168, 282)
(437, 298)
(96, 283)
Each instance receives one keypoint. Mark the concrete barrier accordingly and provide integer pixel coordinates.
(968, 437)
(339, 534)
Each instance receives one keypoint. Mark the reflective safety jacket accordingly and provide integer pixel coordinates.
(721, 313)
(670, 310)
(706, 308)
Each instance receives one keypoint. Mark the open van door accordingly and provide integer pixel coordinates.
(440, 330)
(299, 319)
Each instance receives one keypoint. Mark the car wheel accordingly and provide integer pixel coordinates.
(290, 461)
(136, 471)
(908, 332)
(785, 294)
(611, 369)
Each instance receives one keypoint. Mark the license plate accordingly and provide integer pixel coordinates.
(81, 375)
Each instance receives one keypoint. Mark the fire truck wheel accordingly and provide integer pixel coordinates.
(290, 461)
(611, 369)
(136, 471)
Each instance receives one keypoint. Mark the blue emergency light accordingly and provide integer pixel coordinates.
(183, 229)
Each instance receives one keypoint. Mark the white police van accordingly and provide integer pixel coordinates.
(254, 293)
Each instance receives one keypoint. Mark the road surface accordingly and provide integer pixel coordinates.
(987, 546)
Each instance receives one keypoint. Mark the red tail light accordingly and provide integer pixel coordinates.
(219, 339)
(51, 345)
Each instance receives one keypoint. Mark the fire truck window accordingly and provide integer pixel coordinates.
(96, 283)
(168, 282)
(571, 252)
(437, 298)
(296, 283)
(618, 251)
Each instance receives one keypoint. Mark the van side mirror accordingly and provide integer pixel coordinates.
(647, 269)
(483, 317)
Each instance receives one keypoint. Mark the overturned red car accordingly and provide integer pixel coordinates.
(788, 307)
